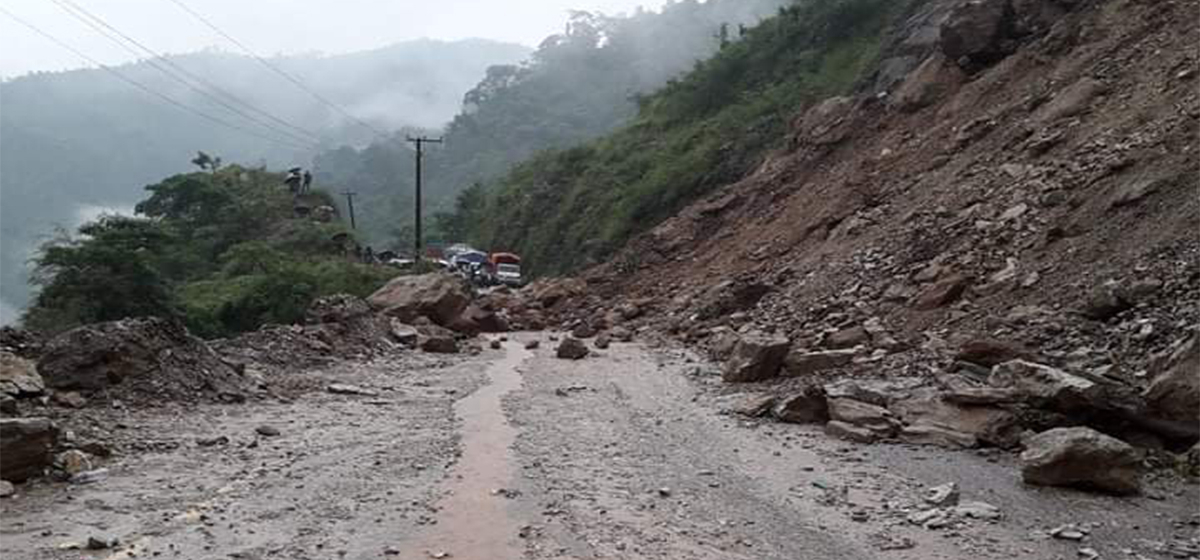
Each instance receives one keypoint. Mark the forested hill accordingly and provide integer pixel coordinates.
(81, 139)
(578, 85)
(567, 208)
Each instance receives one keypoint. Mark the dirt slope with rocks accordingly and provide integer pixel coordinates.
(1026, 196)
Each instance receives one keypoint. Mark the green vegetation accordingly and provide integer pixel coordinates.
(562, 209)
(577, 86)
(221, 250)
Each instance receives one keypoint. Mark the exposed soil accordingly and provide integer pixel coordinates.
(515, 454)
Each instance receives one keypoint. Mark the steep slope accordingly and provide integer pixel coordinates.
(79, 139)
(1029, 190)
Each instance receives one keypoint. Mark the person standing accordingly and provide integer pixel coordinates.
(308, 178)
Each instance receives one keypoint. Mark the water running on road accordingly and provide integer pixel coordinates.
(472, 521)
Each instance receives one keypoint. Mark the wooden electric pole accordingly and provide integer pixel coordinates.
(350, 204)
(420, 142)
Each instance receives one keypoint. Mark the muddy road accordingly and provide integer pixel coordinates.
(514, 454)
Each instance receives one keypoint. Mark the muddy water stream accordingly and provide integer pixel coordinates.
(473, 522)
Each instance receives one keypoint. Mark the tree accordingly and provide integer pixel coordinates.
(206, 162)
(108, 272)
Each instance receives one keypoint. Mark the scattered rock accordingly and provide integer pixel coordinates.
(799, 363)
(25, 445)
(945, 495)
(850, 432)
(267, 430)
(1081, 457)
(101, 542)
(942, 293)
(69, 399)
(346, 389)
(756, 357)
(19, 377)
(403, 334)
(212, 441)
(806, 407)
(583, 331)
(978, 510)
(848, 338)
(875, 419)
(571, 349)
(621, 334)
(1068, 533)
(990, 352)
(73, 462)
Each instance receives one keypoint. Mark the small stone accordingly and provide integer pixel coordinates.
(944, 495)
(532, 345)
(1088, 553)
(7, 489)
(268, 431)
(1068, 533)
(73, 462)
(664, 492)
(90, 477)
(978, 510)
(212, 441)
(496, 344)
(344, 389)
(101, 543)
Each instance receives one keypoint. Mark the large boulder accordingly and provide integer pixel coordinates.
(728, 297)
(934, 420)
(976, 31)
(1047, 386)
(19, 377)
(1174, 392)
(876, 419)
(756, 357)
(1081, 457)
(551, 292)
(25, 446)
(808, 406)
(439, 296)
(826, 123)
(572, 348)
(149, 357)
(931, 82)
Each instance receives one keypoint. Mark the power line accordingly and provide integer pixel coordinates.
(287, 76)
(165, 98)
(182, 75)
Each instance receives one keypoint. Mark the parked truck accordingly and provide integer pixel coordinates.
(506, 269)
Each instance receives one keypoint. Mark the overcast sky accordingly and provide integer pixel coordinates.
(277, 26)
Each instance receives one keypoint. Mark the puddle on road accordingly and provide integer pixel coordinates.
(473, 521)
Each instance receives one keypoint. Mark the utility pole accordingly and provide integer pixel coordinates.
(350, 204)
(420, 142)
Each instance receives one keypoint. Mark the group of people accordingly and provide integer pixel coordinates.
(297, 182)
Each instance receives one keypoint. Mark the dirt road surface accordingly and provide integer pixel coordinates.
(514, 454)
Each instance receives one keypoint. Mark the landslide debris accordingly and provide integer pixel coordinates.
(145, 361)
(1004, 213)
